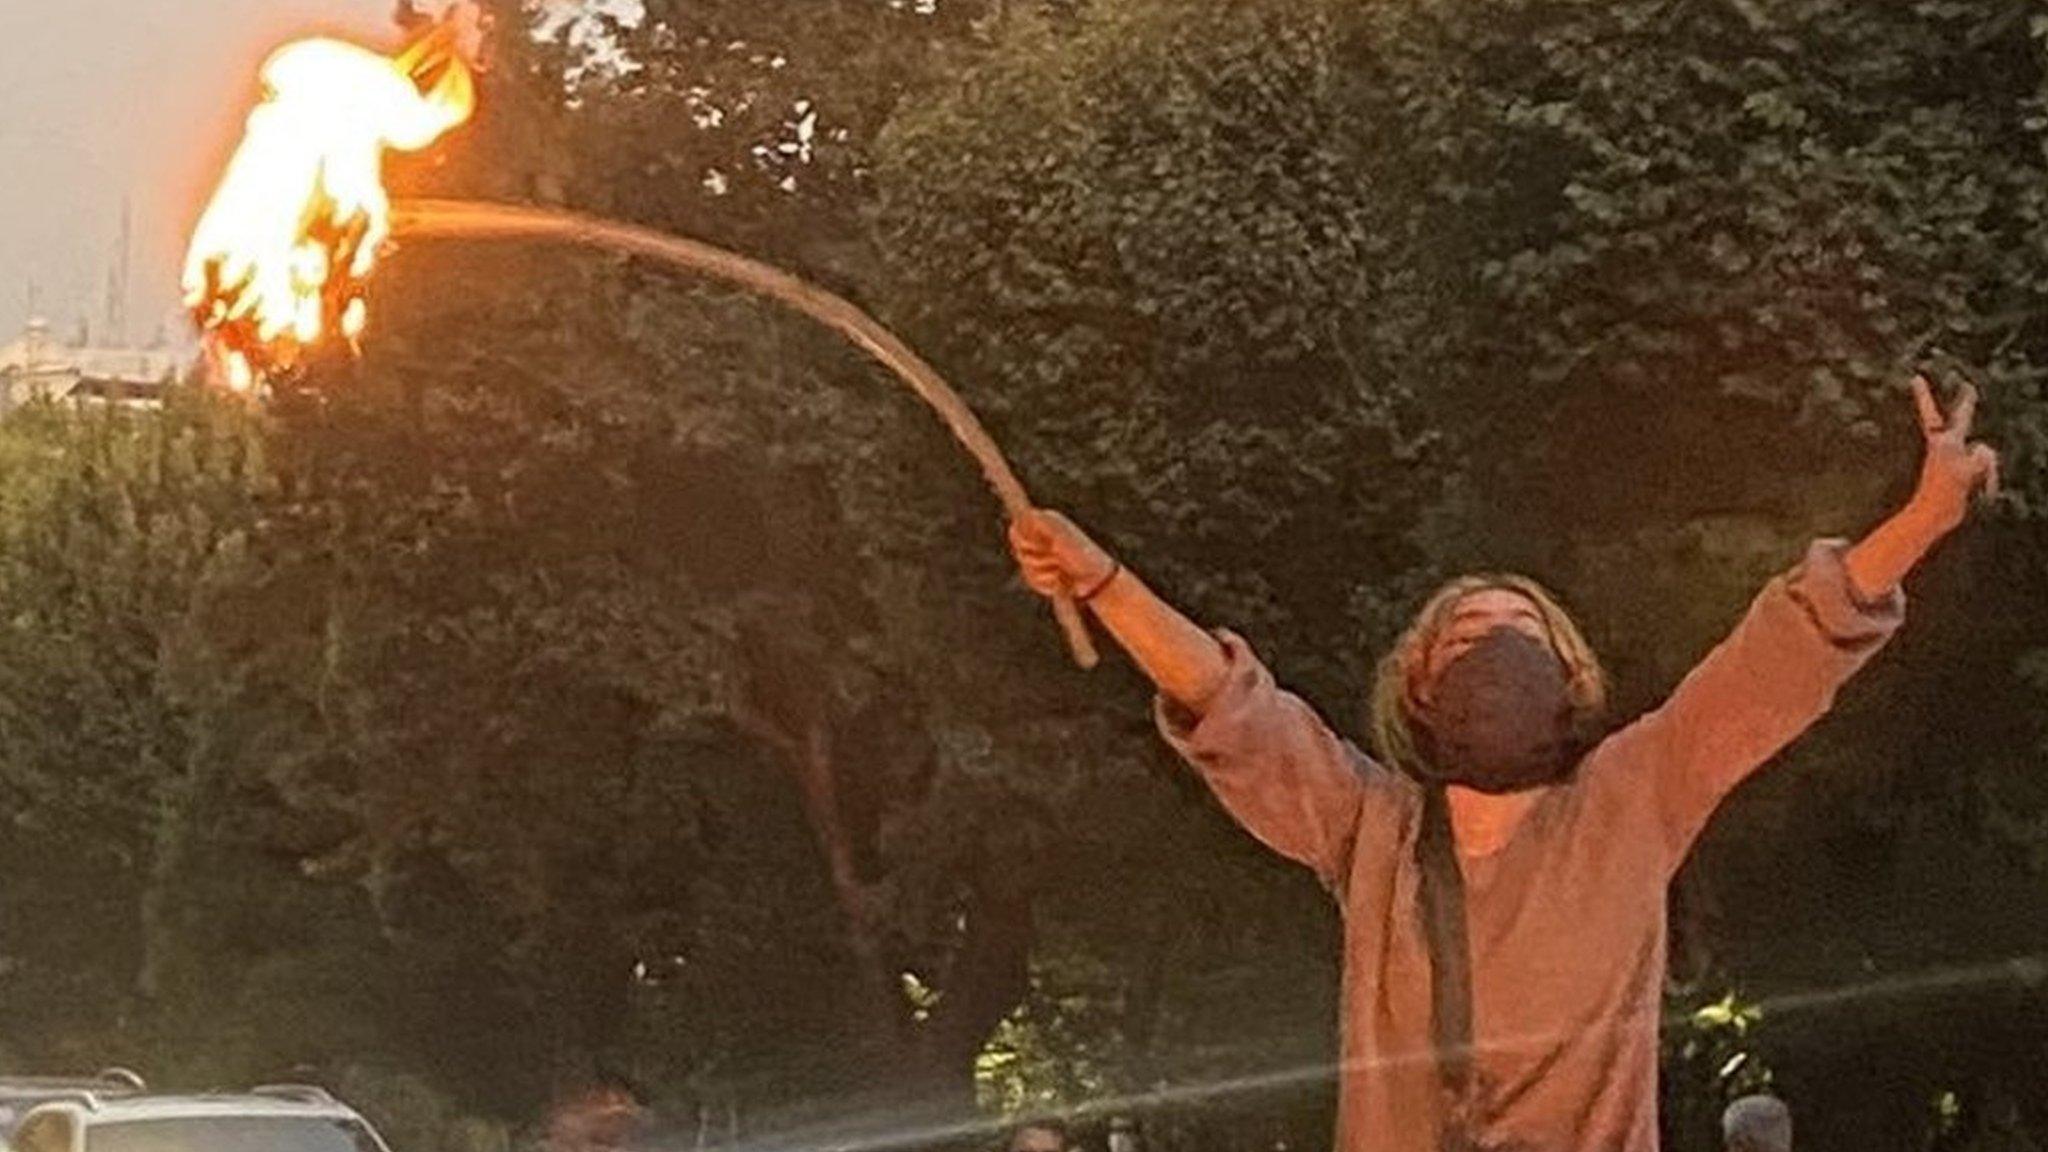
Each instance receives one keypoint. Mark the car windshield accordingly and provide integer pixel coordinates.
(232, 1134)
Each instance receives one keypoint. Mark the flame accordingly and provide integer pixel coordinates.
(278, 261)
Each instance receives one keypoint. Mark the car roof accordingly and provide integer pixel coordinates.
(223, 1104)
(21, 1095)
(11, 1086)
(107, 1084)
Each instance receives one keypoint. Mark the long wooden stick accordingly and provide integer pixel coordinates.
(466, 219)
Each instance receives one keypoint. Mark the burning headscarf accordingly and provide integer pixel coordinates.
(278, 261)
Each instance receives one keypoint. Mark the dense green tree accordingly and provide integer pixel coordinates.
(1643, 280)
(612, 676)
(153, 908)
(718, 519)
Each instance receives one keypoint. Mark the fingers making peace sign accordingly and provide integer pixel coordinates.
(1954, 468)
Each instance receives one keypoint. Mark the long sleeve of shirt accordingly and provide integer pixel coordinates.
(1275, 765)
(1804, 636)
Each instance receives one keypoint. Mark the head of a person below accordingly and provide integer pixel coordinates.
(1492, 693)
(1757, 1124)
(607, 1118)
(1037, 1136)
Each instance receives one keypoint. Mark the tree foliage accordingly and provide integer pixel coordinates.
(1643, 282)
(611, 677)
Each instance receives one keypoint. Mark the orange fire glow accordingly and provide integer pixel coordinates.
(278, 261)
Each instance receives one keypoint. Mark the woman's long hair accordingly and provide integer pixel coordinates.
(1400, 672)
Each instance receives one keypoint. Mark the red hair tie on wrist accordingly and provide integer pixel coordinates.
(1116, 568)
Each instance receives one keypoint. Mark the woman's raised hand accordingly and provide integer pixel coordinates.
(1056, 557)
(1954, 469)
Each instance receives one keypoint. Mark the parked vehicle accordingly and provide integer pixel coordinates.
(20, 1094)
(74, 1116)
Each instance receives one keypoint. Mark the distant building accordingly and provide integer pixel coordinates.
(40, 365)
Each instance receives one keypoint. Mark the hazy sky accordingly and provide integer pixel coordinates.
(100, 98)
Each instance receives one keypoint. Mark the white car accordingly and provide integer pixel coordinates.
(20, 1094)
(271, 1118)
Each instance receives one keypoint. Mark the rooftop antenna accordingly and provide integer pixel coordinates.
(116, 330)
